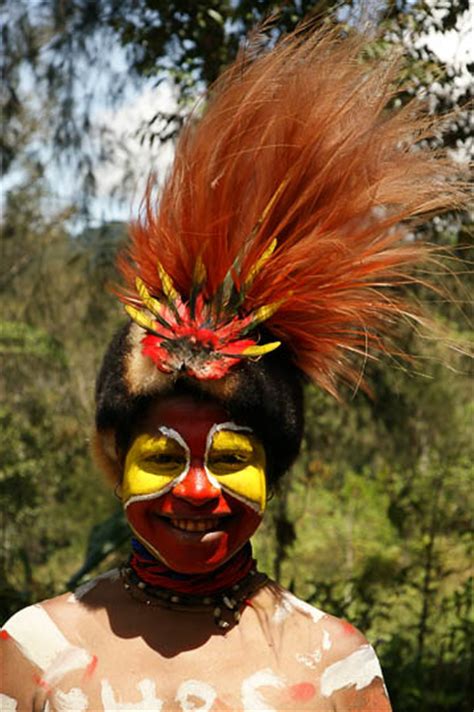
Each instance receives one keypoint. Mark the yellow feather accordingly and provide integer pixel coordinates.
(167, 285)
(273, 200)
(261, 350)
(199, 274)
(140, 318)
(259, 264)
(265, 312)
(148, 301)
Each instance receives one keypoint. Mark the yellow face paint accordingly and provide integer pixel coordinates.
(236, 459)
(153, 464)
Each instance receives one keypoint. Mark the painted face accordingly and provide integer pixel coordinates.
(194, 484)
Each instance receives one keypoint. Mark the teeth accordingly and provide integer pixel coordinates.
(195, 525)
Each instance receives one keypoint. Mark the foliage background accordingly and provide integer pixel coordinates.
(373, 523)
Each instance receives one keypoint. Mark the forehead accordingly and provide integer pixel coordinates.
(184, 414)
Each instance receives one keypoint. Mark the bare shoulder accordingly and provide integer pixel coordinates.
(93, 593)
(336, 652)
(65, 611)
(35, 638)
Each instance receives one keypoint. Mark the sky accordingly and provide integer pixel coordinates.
(455, 47)
(135, 161)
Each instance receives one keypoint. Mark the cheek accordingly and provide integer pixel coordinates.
(138, 482)
(247, 486)
(192, 553)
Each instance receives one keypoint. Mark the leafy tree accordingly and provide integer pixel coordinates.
(373, 522)
(49, 352)
(69, 52)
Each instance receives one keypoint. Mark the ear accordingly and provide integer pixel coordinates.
(105, 455)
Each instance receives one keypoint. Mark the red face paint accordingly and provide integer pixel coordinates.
(169, 525)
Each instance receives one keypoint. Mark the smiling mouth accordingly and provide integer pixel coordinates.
(196, 525)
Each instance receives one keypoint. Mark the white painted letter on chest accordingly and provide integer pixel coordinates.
(203, 694)
(149, 701)
(252, 699)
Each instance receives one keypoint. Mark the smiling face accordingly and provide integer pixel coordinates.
(194, 484)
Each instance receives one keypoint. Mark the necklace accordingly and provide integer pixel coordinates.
(226, 605)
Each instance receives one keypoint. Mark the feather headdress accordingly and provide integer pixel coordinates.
(289, 203)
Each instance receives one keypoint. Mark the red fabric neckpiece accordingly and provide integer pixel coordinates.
(154, 573)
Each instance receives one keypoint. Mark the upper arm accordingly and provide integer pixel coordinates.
(19, 682)
(352, 678)
(36, 655)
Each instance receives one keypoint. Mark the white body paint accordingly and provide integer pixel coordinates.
(7, 703)
(252, 699)
(41, 641)
(81, 591)
(73, 701)
(327, 642)
(311, 660)
(357, 670)
(195, 688)
(289, 604)
(149, 702)
(67, 661)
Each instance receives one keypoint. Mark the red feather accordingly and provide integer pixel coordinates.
(300, 146)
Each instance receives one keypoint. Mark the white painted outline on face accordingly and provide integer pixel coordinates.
(210, 436)
(177, 437)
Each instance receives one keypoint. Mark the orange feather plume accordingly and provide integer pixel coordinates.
(299, 146)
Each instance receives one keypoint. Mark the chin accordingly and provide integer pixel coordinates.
(192, 550)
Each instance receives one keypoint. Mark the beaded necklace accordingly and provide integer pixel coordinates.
(225, 592)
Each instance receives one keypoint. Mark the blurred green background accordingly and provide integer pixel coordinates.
(373, 523)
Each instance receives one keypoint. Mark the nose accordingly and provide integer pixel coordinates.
(196, 488)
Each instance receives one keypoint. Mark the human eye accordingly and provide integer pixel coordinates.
(164, 455)
(231, 458)
(168, 459)
(228, 461)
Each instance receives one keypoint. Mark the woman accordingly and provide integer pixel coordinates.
(271, 258)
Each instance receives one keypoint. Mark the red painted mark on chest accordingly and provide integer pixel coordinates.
(41, 683)
(302, 692)
(4, 635)
(90, 669)
(348, 628)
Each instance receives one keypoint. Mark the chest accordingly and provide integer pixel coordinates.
(246, 670)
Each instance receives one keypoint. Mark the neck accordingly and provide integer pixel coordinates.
(154, 572)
